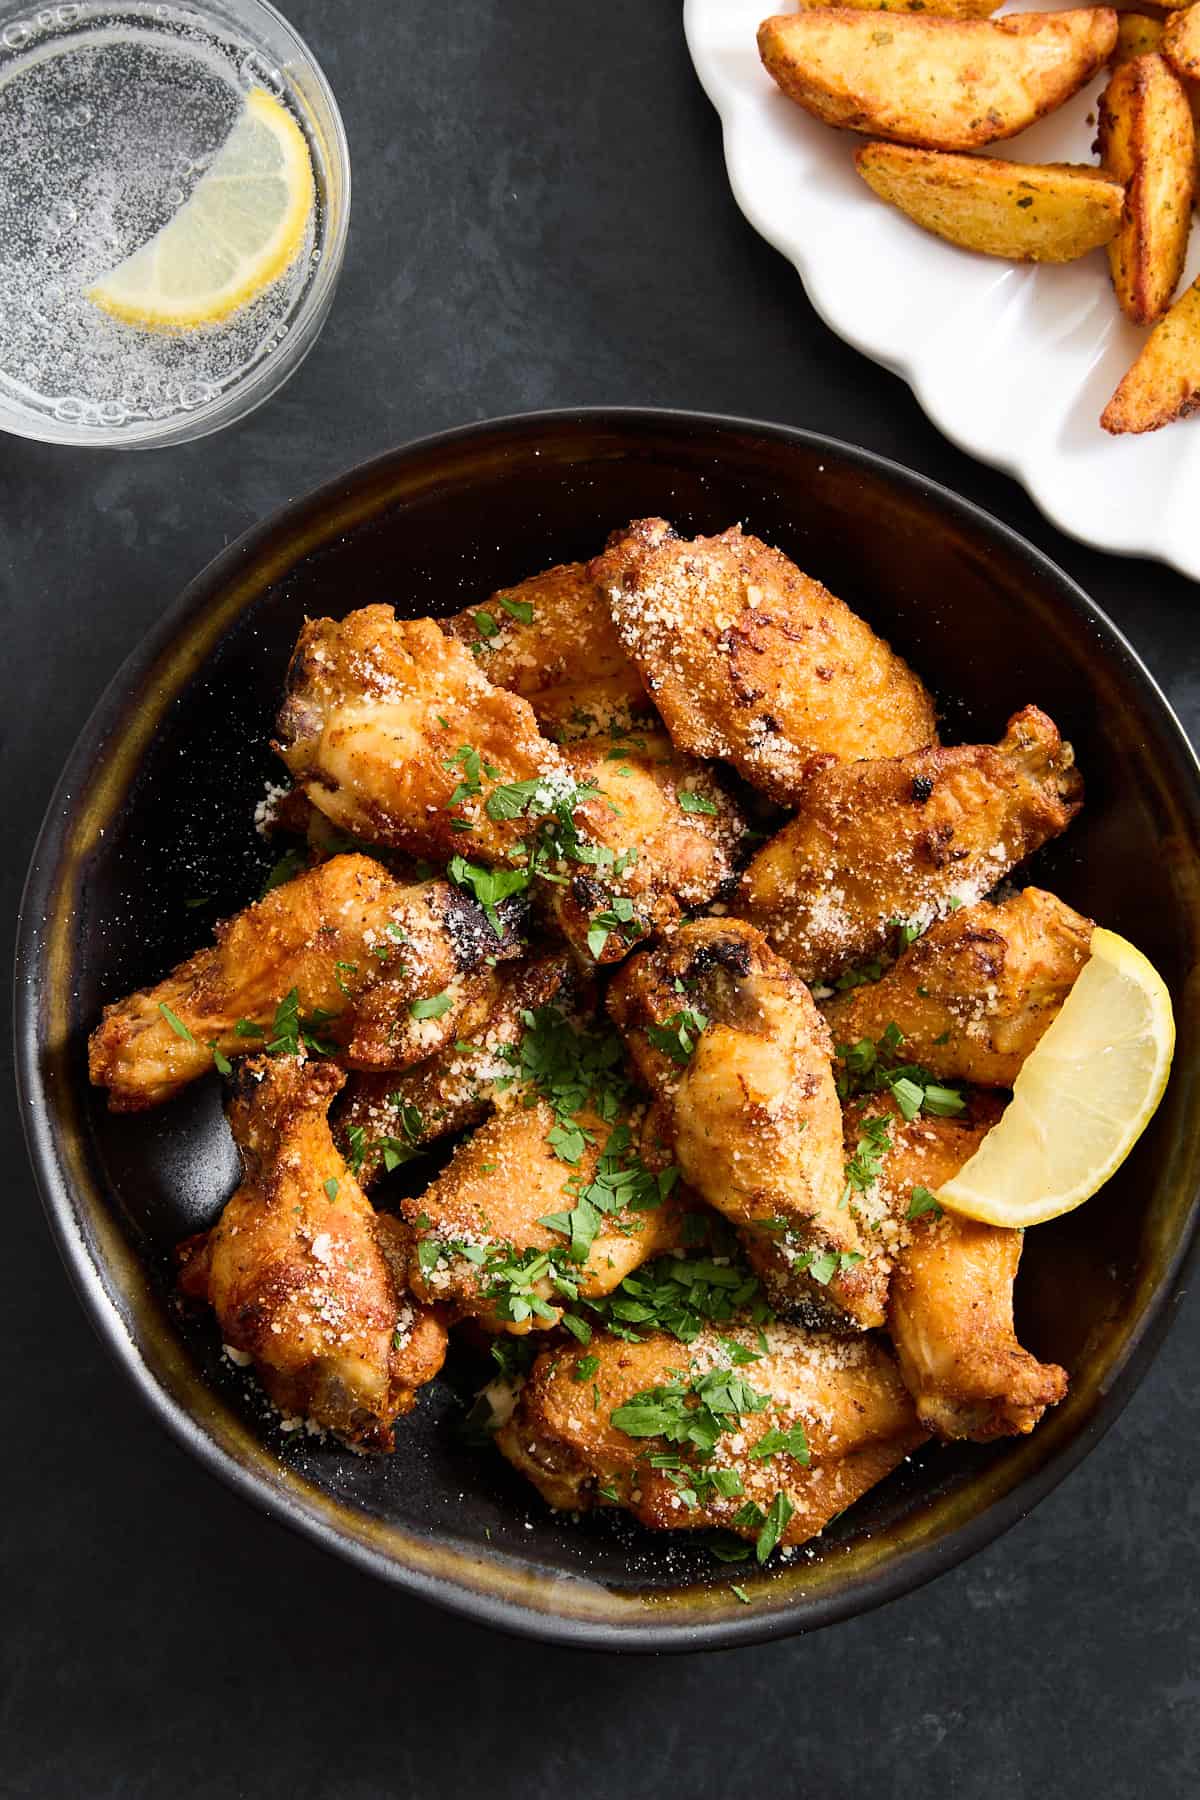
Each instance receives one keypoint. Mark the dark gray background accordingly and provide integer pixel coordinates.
(540, 218)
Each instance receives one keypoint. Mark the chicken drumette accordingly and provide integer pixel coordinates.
(974, 995)
(748, 659)
(343, 955)
(305, 1278)
(882, 843)
(729, 1041)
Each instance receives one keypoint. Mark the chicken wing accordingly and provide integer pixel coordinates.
(729, 1041)
(393, 732)
(682, 1436)
(304, 1276)
(526, 1216)
(974, 995)
(389, 1116)
(748, 659)
(680, 823)
(950, 1305)
(551, 640)
(341, 957)
(898, 840)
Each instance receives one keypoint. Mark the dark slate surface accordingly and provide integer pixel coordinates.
(541, 218)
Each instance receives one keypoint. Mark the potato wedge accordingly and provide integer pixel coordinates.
(1164, 382)
(1026, 212)
(1148, 143)
(1181, 43)
(943, 84)
(948, 9)
(1137, 35)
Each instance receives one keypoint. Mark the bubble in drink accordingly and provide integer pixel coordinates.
(109, 116)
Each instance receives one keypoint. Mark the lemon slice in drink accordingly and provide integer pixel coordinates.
(242, 226)
(1083, 1098)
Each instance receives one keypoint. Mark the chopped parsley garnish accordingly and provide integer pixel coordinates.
(291, 1033)
(872, 1066)
(677, 1038)
(696, 1413)
(692, 802)
(485, 624)
(435, 1007)
(223, 1064)
(862, 976)
(489, 886)
(923, 1202)
(619, 917)
(331, 1188)
(507, 1277)
(794, 1442)
(739, 1593)
(340, 971)
(621, 1183)
(176, 1023)
(356, 1140)
(778, 1514)
(906, 932)
(290, 864)
(680, 1294)
(866, 1165)
(521, 610)
(585, 1368)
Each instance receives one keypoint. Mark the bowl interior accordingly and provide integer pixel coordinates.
(152, 839)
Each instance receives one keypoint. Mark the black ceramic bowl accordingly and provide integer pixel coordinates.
(155, 811)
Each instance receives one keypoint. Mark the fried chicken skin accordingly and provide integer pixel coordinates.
(680, 824)
(748, 659)
(355, 948)
(588, 1439)
(901, 838)
(393, 731)
(551, 640)
(304, 1276)
(974, 995)
(729, 1041)
(484, 1249)
(950, 1304)
(402, 1111)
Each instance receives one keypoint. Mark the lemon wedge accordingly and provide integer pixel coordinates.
(241, 227)
(1083, 1098)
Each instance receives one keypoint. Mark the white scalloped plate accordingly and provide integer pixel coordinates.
(1013, 363)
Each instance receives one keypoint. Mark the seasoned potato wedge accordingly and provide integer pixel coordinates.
(1181, 43)
(1027, 212)
(1137, 35)
(1148, 143)
(1164, 382)
(948, 9)
(944, 84)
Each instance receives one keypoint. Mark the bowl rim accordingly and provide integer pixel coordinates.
(914, 1565)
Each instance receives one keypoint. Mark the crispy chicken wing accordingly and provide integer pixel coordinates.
(728, 1039)
(393, 732)
(974, 995)
(950, 1306)
(899, 839)
(551, 640)
(303, 1275)
(353, 949)
(483, 1246)
(388, 1116)
(680, 823)
(748, 659)
(839, 1403)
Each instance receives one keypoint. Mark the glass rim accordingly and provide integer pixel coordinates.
(275, 368)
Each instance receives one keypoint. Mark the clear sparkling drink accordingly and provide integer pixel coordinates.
(109, 116)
